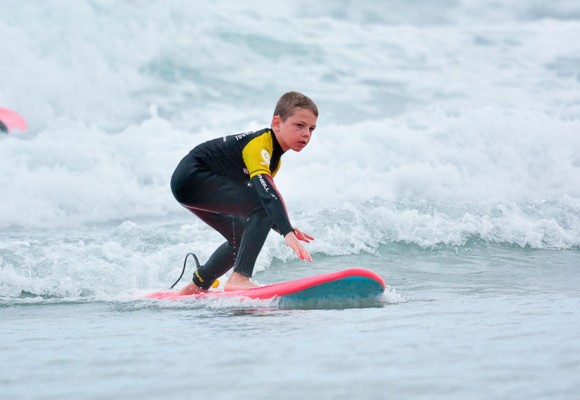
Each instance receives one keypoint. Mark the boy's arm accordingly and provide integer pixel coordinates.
(274, 205)
(272, 202)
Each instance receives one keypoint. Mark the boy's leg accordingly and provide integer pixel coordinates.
(221, 261)
(241, 254)
(258, 226)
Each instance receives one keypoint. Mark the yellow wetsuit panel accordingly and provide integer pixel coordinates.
(257, 155)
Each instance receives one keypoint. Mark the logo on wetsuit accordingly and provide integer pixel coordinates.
(265, 157)
(240, 136)
(266, 186)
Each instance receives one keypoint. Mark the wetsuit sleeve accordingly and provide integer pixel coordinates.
(256, 156)
(272, 202)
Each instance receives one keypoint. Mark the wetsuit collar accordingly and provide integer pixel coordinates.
(277, 146)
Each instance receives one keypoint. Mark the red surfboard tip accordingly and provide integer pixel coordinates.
(11, 120)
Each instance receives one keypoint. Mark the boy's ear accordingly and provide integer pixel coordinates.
(276, 123)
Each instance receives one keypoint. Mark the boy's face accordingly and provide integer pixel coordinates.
(295, 132)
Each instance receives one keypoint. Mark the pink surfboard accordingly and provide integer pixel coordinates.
(10, 120)
(355, 284)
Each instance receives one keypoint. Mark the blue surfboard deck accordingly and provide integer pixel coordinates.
(347, 291)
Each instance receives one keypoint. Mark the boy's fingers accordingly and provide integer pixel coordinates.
(303, 236)
(292, 241)
(304, 255)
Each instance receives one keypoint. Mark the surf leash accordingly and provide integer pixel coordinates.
(184, 265)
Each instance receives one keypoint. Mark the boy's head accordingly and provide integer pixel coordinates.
(290, 101)
(294, 120)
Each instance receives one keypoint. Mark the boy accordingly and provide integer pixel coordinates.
(227, 182)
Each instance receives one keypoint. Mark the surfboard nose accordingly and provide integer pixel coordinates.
(11, 120)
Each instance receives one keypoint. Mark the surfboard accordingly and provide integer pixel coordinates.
(10, 120)
(353, 286)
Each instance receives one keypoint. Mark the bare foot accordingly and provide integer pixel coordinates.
(238, 281)
(190, 288)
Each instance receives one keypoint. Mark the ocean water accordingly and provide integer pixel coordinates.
(446, 159)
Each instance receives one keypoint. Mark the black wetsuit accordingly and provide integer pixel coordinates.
(227, 182)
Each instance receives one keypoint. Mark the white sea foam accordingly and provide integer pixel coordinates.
(450, 111)
(438, 184)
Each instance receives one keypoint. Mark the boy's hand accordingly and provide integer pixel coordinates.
(292, 241)
(302, 236)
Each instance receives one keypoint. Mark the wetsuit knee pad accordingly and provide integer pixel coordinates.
(201, 282)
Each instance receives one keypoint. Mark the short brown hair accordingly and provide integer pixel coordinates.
(292, 100)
